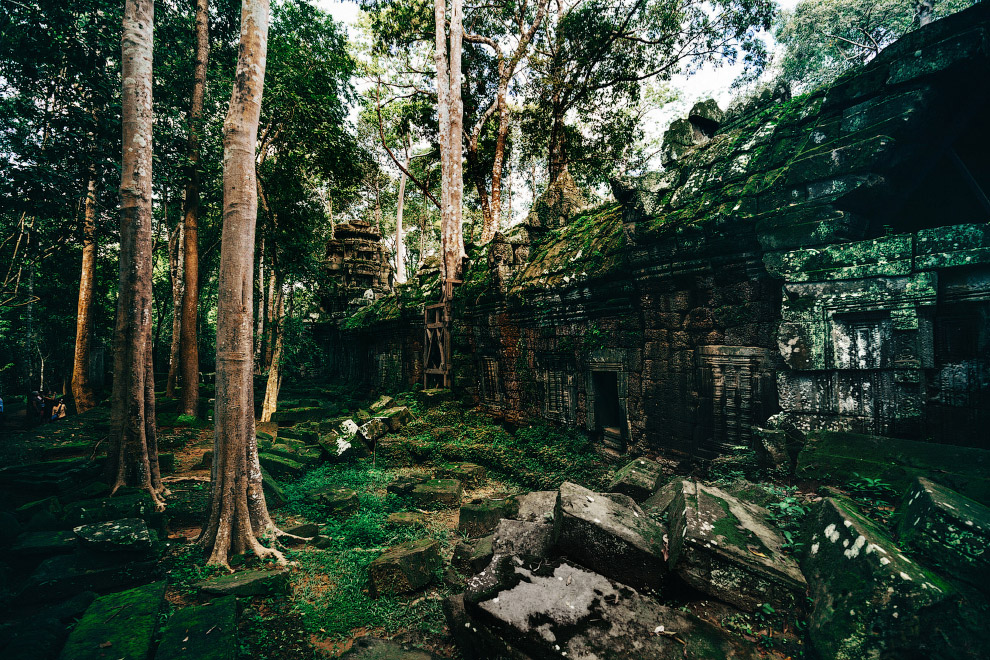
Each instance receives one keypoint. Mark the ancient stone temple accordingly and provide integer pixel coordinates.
(358, 266)
(818, 262)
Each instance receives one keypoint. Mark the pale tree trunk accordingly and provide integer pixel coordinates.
(237, 514)
(400, 246)
(175, 273)
(270, 404)
(189, 403)
(133, 454)
(259, 322)
(924, 12)
(450, 111)
(269, 320)
(82, 392)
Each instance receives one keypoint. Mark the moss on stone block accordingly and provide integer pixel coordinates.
(638, 479)
(202, 632)
(437, 493)
(480, 517)
(404, 568)
(280, 466)
(117, 626)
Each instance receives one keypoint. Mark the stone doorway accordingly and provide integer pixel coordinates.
(609, 417)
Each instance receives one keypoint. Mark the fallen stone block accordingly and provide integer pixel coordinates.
(404, 568)
(247, 583)
(529, 541)
(49, 506)
(657, 505)
(203, 632)
(949, 531)
(302, 455)
(293, 416)
(469, 474)
(404, 483)
(726, 549)
(537, 506)
(473, 556)
(569, 611)
(407, 519)
(373, 429)
(306, 436)
(118, 507)
(63, 576)
(126, 535)
(479, 517)
(40, 545)
(398, 417)
(638, 479)
(280, 467)
(437, 493)
(120, 626)
(868, 599)
(338, 502)
(370, 648)
(275, 496)
(615, 539)
(383, 402)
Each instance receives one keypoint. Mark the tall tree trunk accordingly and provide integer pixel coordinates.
(500, 139)
(557, 156)
(237, 514)
(400, 246)
(175, 273)
(269, 319)
(259, 322)
(450, 111)
(189, 403)
(82, 392)
(275, 368)
(133, 454)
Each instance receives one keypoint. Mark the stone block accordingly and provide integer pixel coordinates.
(537, 506)
(281, 467)
(118, 626)
(404, 568)
(63, 576)
(479, 517)
(383, 402)
(469, 474)
(275, 496)
(868, 599)
(407, 519)
(404, 483)
(293, 416)
(727, 549)
(603, 619)
(437, 494)
(529, 541)
(247, 583)
(338, 502)
(474, 555)
(373, 429)
(203, 632)
(126, 535)
(305, 435)
(611, 535)
(638, 479)
(137, 505)
(370, 648)
(39, 545)
(398, 417)
(949, 531)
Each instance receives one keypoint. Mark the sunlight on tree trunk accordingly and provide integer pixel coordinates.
(133, 454)
(400, 246)
(175, 274)
(82, 392)
(237, 515)
(259, 322)
(450, 110)
(189, 404)
(270, 404)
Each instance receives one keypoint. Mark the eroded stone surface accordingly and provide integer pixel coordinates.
(437, 493)
(203, 632)
(404, 568)
(126, 535)
(247, 583)
(615, 539)
(638, 479)
(479, 517)
(117, 626)
(725, 548)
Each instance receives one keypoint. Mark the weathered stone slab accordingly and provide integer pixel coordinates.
(202, 632)
(305, 435)
(307, 457)
(611, 537)
(281, 467)
(869, 600)
(338, 501)
(638, 479)
(247, 583)
(579, 613)
(404, 568)
(275, 496)
(406, 519)
(373, 429)
(126, 535)
(117, 626)
(479, 517)
(473, 556)
(537, 506)
(404, 483)
(398, 417)
(62, 576)
(437, 493)
(657, 506)
(529, 541)
(383, 402)
(293, 416)
(37, 545)
(370, 648)
(949, 531)
(469, 474)
(725, 548)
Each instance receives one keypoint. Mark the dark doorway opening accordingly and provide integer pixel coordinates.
(608, 409)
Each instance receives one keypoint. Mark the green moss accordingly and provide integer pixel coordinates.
(124, 621)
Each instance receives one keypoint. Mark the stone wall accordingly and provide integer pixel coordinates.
(821, 262)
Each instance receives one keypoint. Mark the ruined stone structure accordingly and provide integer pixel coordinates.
(358, 266)
(821, 262)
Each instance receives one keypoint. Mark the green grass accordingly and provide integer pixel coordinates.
(332, 584)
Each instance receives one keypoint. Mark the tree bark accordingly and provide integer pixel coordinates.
(133, 454)
(237, 514)
(189, 403)
(450, 110)
(259, 322)
(175, 273)
(270, 404)
(269, 320)
(82, 392)
(400, 247)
